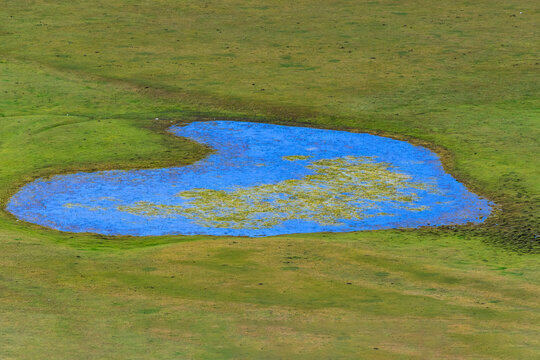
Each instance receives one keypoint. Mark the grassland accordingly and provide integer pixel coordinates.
(81, 84)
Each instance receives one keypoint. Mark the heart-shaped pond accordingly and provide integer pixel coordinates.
(262, 180)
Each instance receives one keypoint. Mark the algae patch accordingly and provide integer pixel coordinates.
(296, 157)
(82, 206)
(340, 189)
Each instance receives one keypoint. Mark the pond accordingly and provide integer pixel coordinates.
(262, 180)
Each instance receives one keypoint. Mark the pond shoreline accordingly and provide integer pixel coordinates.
(249, 126)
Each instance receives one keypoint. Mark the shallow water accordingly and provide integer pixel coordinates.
(262, 180)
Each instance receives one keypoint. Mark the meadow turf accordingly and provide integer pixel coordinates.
(81, 86)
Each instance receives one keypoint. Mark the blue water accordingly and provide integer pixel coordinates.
(247, 155)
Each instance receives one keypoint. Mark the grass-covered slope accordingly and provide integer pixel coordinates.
(81, 84)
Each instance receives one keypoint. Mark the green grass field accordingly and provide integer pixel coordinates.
(82, 82)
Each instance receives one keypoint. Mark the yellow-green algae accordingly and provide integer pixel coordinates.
(91, 208)
(340, 189)
(296, 157)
